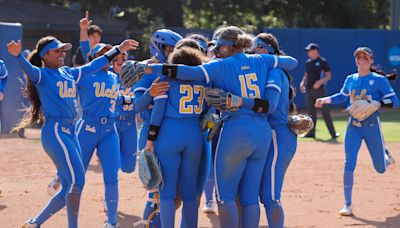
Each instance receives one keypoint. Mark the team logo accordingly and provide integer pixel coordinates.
(316, 63)
(66, 130)
(90, 129)
(371, 82)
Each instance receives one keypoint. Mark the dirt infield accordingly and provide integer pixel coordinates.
(312, 194)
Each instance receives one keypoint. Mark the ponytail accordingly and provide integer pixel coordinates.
(35, 110)
(391, 76)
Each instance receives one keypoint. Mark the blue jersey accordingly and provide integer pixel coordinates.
(185, 99)
(125, 110)
(377, 86)
(140, 88)
(99, 94)
(278, 80)
(241, 74)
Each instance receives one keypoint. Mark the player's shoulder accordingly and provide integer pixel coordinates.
(1, 62)
(378, 76)
(323, 59)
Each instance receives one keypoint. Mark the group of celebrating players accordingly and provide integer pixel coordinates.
(221, 105)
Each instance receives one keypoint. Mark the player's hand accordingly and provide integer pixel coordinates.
(158, 88)
(302, 88)
(1, 96)
(84, 23)
(318, 84)
(320, 102)
(128, 45)
(149, 146)
(14, 48)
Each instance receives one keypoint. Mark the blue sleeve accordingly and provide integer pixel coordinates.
(273, 88)
(89, 68)
(157, 115)
(388, 93)
(338, 98)
(283, 62)
(345, 91)
(142, 101)
(85, 49)
(272, 96)
(189, 73)
(33, 72)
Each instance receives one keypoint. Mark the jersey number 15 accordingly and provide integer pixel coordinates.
(247, 83)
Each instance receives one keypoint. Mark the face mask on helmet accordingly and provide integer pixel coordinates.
(159, 39)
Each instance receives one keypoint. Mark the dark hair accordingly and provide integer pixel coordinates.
(200, 39)
(274, 43)
(94, 29)
(391, 76)
(187, 42)
(188, 56)
(35, 109)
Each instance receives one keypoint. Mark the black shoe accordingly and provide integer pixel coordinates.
(309, 136)
(337, 135)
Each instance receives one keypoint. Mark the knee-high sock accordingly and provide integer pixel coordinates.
(167, 213)
(149, 215)
(348, 180)
(55, 204)
(228, 214)
(72, 201)
(275, 214)
(251, 216)
(111, 194)
(190, 213)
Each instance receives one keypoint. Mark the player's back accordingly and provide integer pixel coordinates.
(185, 99)
(243, 75)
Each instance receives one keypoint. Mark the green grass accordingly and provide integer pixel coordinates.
(390, 127)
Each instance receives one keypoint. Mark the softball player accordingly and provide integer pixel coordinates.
(97, 128)
(52, 90)
(241, 151)
(179, 154)
(375, 89)
(126, 122)
(162, 44)
(284, 141)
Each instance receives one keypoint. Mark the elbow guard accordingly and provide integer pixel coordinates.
(260, 105)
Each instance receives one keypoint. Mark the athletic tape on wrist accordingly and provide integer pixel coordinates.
(170, 70)
(153, 132)
(112, 53)
(260, 105)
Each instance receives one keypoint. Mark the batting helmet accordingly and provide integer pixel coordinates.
(159, 39)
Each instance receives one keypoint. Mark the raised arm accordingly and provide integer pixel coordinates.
(33, 72)
(102, 61)
(84, 24)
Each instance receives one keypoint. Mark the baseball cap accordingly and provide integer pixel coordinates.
(365, 50)
(311, 46)
(55, 44)
(98, 48)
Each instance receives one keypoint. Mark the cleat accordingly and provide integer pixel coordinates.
(109, 225)
(209, 207)
(30, 224)
(346, 211)
(103, 201)
(392, 162)
(54, 186)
